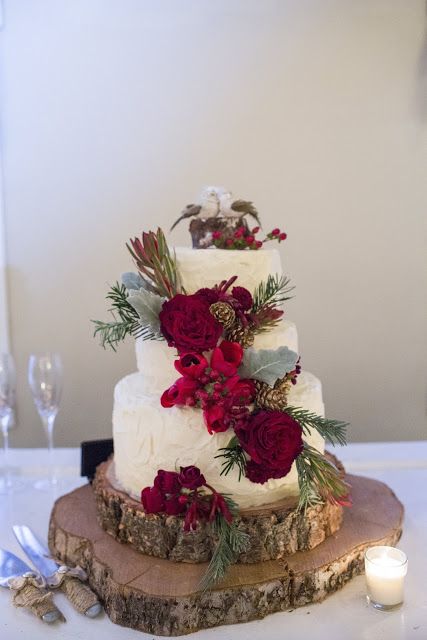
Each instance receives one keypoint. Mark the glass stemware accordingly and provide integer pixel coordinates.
(7, 403)
(45, 379)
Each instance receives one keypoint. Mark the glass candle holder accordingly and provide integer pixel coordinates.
(385, 570)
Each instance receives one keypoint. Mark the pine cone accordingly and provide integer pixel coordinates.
(224, 313)
(243, 335)
(276, 398)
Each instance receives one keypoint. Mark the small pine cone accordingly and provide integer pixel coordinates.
(243, 335)
(224, 313)
(274, 399)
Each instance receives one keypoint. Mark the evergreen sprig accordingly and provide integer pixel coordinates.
(233, 455)
(271, 293)
(231, 541)
(333, 431)
(319, 479)
(127, 322)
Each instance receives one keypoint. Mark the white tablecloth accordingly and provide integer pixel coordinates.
(343, 615)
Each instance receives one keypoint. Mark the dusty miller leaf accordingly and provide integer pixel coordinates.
(148, 306)
(134, 282)
(267, 365)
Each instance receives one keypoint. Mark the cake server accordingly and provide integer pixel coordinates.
(28, 587)
(69, 580)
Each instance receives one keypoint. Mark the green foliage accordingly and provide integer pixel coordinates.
(319, 479)
(333, 431)
(233, 454)
(126, 320)
(231, 542)
(271, 293)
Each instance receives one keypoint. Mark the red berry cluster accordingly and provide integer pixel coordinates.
(215, 387)
(245, 238)
(176, 493)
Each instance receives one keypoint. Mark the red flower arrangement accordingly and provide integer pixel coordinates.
(183, 492)
(245, 238)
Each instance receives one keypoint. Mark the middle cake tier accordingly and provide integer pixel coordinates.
(148, 437)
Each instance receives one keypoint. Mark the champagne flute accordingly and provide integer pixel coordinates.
(45, 379)
(7, 402)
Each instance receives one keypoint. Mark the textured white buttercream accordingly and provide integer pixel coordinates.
(148, 437)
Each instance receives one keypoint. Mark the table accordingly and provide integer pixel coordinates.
(345, 614)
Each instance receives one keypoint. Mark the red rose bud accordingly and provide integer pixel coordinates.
(191, 364)
(227, 357)
(187, 324)
(239, 232)
(191, 478)
(216, 235)
(258, 244)
(179, 393)
(152, 500)
(249, 239)
(173, 506)
(167, 481)
(283, 236)
(214, 419)
(275, 232)
(243, 297)
(255, 230)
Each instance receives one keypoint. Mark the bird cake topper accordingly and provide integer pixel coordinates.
(219, 220)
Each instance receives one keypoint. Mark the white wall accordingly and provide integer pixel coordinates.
(114, 114)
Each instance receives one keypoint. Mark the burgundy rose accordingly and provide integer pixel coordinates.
(242, 295)
(191, 478)
(188, 325)
(257, 472)
(167, 481)
(152, 500)
(273, 440)
(227, 357)
(215, 418)
(191, 364)
(181, 392)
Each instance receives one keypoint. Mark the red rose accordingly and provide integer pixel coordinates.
(167, 481)
(273, 440)
(181, 392)
(188, 325)
(191, 364)
(227, 357)
(173, 506)
(152, 500)
(243, 296)
(191, 478)
(214, 418)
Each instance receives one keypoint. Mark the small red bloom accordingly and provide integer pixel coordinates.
(191, 478)
(191, 364)
(214, 419)
(180, 392)
(216, 235)
(174, 506)
(167, 481)
(258, 244)
(229, 242)
(219, 505)
(227, 357)
(152, 500)
(243, 297)
(249, 239)
(255, 230)
(275, 232)
(283, 236)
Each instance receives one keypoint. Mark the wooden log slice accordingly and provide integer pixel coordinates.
(276, 530)
(163, 598)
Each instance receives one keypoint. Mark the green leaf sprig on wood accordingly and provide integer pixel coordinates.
(231, 542)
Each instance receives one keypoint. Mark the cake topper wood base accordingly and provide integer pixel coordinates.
(275, 530)
(162, 597)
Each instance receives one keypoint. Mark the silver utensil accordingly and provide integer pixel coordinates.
(69, 580)
(28, 587)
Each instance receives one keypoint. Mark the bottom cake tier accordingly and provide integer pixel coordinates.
(162, 597)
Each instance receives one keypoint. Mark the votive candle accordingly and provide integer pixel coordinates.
(385, 570)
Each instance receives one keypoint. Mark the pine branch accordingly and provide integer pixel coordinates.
(333, 431)
(127, 322)
(319, 479)
(231, 542)
(233, 454)
(271, 293)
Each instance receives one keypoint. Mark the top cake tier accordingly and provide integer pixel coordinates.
(206, 267)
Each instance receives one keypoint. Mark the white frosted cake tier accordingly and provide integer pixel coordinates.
(206, 267)
(148, 437)
(155, 358)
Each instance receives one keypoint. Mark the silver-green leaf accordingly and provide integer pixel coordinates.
(267, 365)
(148, 306)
